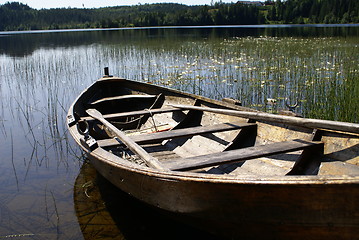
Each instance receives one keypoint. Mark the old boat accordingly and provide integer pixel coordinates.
(233, 171)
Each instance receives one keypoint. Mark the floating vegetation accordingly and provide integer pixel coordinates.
(317, 72)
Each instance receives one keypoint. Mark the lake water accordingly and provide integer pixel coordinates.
(49, 192)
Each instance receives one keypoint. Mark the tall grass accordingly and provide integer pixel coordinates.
(320, 73)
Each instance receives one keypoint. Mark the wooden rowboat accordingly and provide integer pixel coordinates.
(233, 171)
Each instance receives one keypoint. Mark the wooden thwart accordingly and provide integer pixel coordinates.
(135, 113)
(241, 154)
(186, 132)
(122, 97)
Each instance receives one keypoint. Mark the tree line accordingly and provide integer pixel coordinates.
(17, 16)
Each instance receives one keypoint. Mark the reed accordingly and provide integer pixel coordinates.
(251, 69)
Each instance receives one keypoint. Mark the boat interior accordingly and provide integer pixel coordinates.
(213, 143)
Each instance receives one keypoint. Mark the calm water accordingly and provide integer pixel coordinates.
(47, 193)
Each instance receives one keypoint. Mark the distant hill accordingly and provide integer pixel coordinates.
(17, 16)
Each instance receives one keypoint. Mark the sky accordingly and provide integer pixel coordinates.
(38, 4)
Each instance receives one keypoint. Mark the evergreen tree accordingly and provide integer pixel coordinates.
(18, 16)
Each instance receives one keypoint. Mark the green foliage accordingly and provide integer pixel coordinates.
(314, 11)
(18, 16)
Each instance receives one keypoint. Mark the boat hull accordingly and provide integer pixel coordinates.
(241, 206)
(238, 209)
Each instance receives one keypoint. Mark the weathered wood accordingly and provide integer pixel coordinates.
(122, 97)
(239, 155)
(246, 138)
(304, 122)
(134, 147)
(309, 161)
(134, 113)
(178, 133)
(188, 132)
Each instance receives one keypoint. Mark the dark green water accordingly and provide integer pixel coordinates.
(42, 73)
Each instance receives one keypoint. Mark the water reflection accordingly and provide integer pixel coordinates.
(104, 212)
(22, 44)
(39, 161)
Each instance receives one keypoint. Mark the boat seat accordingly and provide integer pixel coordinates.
(188, 132)
(178, 133)
(135, 113)
(122, 97)
(242, 154)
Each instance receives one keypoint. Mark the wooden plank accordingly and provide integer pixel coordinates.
(135, 113)
(310, 160)
(304, 122)
(239, 155)
(134, 147)
(186, 132)
(246, 138)
(122, 97)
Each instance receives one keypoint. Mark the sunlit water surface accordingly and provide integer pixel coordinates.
(45, 194)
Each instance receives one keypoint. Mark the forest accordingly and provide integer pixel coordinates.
(15, 16)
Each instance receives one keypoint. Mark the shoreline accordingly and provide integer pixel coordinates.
(180, 27)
